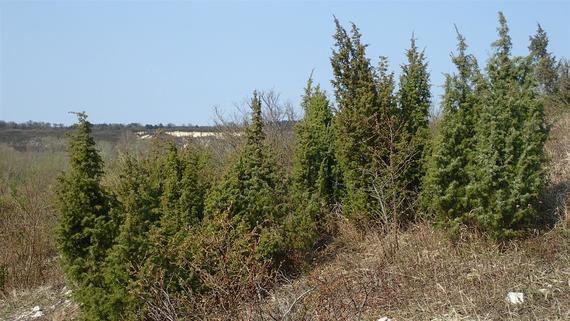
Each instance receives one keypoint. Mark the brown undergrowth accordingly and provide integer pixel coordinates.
(420, 274)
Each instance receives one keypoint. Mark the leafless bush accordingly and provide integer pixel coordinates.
(394, 201)
(279, 119)
(28, 256)
(279, 122)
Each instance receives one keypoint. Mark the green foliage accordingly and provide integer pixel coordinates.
(487, 166)
(544, 63)
(378, 144)
(414, 103)
(161, 197)
(222, 258)
(165, 236)
(182, 205)
(252, 191)
(449, 170)
(87, 228)
(139, 195)
(314, 175)
(511, 132)
(359, 112)
(314, 161)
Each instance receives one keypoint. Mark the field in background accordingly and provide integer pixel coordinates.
(417, 274)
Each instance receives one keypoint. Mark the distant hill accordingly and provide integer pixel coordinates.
(22, 135)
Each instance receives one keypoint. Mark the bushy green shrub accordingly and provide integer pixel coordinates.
(449, 169)
(509, 168)
(253, 190)
(487, 167)
(315, 176)
(161, 197)
(414, 99)
(365, 104)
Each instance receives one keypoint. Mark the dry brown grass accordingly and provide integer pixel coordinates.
(54, 302)
(420, 274)
(28, 257)
(558, 149)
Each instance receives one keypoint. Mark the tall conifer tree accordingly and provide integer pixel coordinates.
(358, 110)
(414, 102)
(139, 192)
(544, 62)
(314, 154)
(87, 228)
(509, 173)
(252, 191)
(449, 166)
(314, 168)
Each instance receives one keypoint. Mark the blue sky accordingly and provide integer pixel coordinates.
(157, 61)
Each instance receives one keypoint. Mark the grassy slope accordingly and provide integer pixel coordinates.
(417, 274)
(421, 275)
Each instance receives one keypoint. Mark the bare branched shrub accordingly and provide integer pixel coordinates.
(161, 304)
(395, 203)
(279, 118)
(28, 257)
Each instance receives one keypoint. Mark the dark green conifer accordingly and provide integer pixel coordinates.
(358, 112)
(252, 191)
(314, 155)
(138, 194)
(87, 228)
(544, 62)
(449, 167)
(414, 103)
(181, 208)
(161, 197)
(509, 172)
(314, 181)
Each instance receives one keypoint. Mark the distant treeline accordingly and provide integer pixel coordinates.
(113, 126)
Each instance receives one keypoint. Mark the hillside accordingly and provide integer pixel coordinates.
(373, 205)
(418, 273)
(22, 136)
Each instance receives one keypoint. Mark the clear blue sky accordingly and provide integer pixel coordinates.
(153, 62)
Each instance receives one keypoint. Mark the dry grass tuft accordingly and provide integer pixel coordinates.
(558, 150)
(422, 275)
